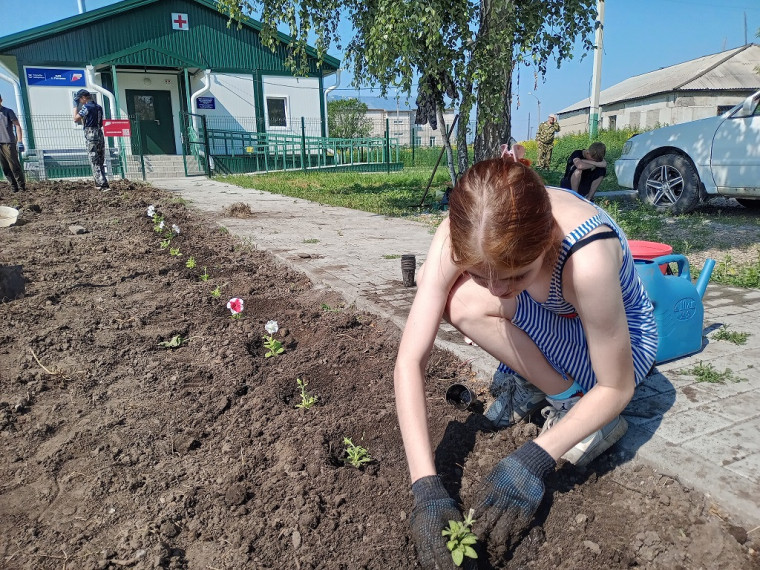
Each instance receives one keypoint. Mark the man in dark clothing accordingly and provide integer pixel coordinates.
(90, 114)
(585, 170)
(10, 144)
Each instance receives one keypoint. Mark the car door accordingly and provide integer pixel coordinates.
(735, 158)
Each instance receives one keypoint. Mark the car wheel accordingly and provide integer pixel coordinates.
(749, 203)
(670, 183)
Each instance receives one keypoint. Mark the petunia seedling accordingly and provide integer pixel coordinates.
(175, 342)
(273, 346)
(235, 305)
(356, 455)
(307, 400)
(461, 539)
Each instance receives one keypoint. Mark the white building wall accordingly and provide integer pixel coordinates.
(234, 106)
(401, 125)
(302, 99)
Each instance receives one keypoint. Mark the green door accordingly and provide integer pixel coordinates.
(153, 111)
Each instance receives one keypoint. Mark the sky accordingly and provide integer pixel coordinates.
(639, 36)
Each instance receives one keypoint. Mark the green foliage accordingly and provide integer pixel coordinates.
(311, 240)
(204, 276)
(708, 373)
(165, 243)
(217, 292)
(175, 342)
(728, 273)
(461, 539)
(175, 252)
(190, 263)
(356, 455)
(273, 346)
(347, 119)
(307, 401)
(731, 336)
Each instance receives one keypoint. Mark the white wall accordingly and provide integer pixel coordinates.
(234, 101)
(302, 100)
(152, 82)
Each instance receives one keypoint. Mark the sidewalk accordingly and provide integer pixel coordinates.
(706, 435)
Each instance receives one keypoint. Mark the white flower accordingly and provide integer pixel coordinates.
(272, 327)
(151, 211)
(235, 305)
(175, 229)
(161, 225)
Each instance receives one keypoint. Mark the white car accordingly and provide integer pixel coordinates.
(675, 168)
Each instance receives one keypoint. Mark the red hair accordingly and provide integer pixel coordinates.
(500, 216)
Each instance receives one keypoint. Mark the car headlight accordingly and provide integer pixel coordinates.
(627, 146)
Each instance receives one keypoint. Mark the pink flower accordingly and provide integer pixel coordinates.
(235, 305)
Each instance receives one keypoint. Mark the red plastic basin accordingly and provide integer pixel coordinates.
(650, 250)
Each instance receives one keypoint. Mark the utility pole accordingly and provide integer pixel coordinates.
(528, 127)
(596, 79)
(538, 120)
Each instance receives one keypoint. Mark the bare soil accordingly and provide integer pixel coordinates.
(118, 452)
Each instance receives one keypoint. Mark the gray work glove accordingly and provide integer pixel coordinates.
(433, 509)
(510, 496)
(21, 147)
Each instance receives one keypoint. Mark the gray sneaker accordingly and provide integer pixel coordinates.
(595, 444)
(515, 399)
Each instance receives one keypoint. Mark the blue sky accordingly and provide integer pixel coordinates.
(640, 36)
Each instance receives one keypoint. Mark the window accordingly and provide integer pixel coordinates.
(723, 108)
(277, 111)
(612, 122)
(432, 141)
(417, 141)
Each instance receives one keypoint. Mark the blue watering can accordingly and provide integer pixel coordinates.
(678, 308)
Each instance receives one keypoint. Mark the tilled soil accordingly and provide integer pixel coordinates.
(118, 452)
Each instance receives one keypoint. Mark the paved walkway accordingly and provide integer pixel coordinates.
(706, 435)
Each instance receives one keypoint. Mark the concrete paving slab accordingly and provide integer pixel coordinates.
(706, 435)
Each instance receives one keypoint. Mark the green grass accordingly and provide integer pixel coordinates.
(708, 373)
(731, 336)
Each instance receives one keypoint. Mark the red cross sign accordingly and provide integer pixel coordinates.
(179, 22)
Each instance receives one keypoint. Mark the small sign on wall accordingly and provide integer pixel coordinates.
(180, 22)
(55, 77)
(117, 128)
(206, 102)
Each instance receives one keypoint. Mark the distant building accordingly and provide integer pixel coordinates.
(703, 87)
(401, 123)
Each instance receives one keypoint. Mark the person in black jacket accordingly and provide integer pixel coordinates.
(90, 114)
(585, 170)
(10, 145)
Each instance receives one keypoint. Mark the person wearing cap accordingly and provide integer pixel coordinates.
(90, 115)
(545, 140)
(11, 143)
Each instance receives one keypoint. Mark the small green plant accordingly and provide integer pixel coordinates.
(158, 223)
(223, 230)
(461, 539)
(708, 373)
(204, 276)
(731, 336)
(175, 252)
(190, 263)
(216, 293)
(328, 309)
(175, 342)
(356, 455)
(165, 243)
(311, 240)
(307, 401)
(273, 346)
(391, 256)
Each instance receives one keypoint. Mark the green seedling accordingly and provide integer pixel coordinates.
(708, 373)
(223, 230)
(165, 243)
(190, 263)
(307, 401)
(461, 539)
(204, 276)
(356, 455)
(327, 308)
(391, 256)
(273, 346)
(158, 223)
(216, 293)
(175, 252)
(731, 336)
(311, 240)
(175, 342)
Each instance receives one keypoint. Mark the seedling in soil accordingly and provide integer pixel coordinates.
(708, 373)
(175, 252)
(216, 293)
(273, 346)
(165, 243)
(731, 336)
(190, 263)
(158, 223)
(235, 305)
(461, 539)
(307, 401)
(356, 455)
(328, 308)
(175, 342)
(204, 276)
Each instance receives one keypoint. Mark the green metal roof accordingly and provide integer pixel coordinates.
(135, 32)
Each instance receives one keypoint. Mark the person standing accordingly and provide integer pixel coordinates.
(11, 143)
(90, 114)
(545, 140)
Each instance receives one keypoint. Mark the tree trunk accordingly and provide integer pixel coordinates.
(463, 154)
(444, 129)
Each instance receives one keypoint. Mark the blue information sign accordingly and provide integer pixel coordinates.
(206, 103)
(55, 77)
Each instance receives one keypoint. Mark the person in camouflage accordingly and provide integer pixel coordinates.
(545, 141)
(90, 114)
